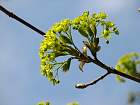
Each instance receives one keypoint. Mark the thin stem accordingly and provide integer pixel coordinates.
(98, 79)
(56, 75)
(12, 15)
(70, 36)
(82, 86)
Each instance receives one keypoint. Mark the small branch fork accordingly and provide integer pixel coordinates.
(109, 70)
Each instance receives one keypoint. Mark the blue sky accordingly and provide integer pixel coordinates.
(20, 80)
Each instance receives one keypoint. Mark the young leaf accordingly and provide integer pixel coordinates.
(106, 34)
(90, 31)
(83, 32)
(109, 24)
(82, 62)
(65, 39)
(72, 51)
(94, 29)
(66, 65)
(58, 53)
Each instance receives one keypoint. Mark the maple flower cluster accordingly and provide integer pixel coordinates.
(58, 41)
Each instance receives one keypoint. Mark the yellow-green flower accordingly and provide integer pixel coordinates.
(58, 40)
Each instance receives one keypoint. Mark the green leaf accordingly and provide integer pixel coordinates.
(106, 34)
(90, 31)
(83, 32)
(72, 51)
(66, 65)
(94, 29)
(103, 22)
(109, 24)
(65, 39)
(60, 53)
(50, 76)
(90, 47)
(102, 15)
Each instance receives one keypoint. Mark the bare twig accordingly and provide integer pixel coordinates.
(82, 86)
(12, 15)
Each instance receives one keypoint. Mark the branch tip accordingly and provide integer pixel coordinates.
(82, 86)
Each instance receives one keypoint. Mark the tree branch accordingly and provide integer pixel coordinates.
(95, 61)
(113, 70)
(12, 15)
(110, 70)
(82, 86)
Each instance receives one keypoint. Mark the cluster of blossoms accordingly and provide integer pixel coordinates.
(86, 25)
(58, 41)
(50, 48)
